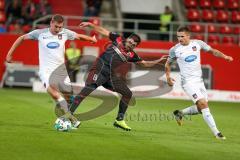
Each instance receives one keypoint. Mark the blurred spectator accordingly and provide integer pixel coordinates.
(93, 8)
(14, 12)
(29, 12)
(165, 19)
(44, 8)
(17, 29)
(73, 55)
(2, 28)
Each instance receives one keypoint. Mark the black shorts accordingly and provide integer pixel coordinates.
(103, 75)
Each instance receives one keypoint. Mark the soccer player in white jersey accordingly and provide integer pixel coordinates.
(51, 44)
(187, 54)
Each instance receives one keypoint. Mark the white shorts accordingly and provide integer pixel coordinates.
(56, 80)
(195, 90)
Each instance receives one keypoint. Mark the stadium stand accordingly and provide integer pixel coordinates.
(220, 17)
(64, 7)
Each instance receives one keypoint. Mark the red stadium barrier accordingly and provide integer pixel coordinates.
(225, 74)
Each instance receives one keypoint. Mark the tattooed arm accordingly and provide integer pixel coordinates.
(218, 53)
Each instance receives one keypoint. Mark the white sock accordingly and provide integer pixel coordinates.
(62, 103)
(207, 116)
(190, 110)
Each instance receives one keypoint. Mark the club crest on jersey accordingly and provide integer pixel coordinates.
(194, 48)
(195, 96)
(53, 45)
(191, 58)
(130, 54)
(60, 36)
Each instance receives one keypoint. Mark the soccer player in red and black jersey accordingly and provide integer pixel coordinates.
(105, 72)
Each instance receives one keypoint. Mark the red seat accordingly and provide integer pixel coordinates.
(196, 28)
(26, 28)
(224, 29)
(236, 30)
(193, 15)
(2, 4)
(11, 28)
(238, 41)
(190, 3)
(235, 17)
(205, 3)
(222, 16)
(218, 4)
(207, 15)
(213, 39)
(2, 16)
(198, 36)
(228, 40)
(212, 28)
(233, 4)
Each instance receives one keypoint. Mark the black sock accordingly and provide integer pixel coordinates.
(83, 94)
(122, 110)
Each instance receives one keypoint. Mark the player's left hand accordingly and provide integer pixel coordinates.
(94, 39)
(228, 58)
(163, 59)
(9, 59)
(84, 24)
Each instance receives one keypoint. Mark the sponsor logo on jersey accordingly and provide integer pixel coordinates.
(194, 48)
(47, 37)
(53, 45)
(191, 58)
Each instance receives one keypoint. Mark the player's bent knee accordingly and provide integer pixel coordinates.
(201, 104)
(128, 94)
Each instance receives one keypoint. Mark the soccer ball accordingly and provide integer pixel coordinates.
(63, 124)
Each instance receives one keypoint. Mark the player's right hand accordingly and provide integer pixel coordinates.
(9, 59)
(94, 39)
(170, 81)
(228, 58)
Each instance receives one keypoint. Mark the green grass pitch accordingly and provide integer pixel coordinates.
(27, 133)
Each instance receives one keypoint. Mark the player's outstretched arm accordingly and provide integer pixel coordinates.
(162, 61)
(14, 46)
(99, 29)
(170, 80)
(86, 38)
(218, 53)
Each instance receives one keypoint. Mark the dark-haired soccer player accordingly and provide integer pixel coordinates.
(107, 70)
(187, 54)
(51, 44)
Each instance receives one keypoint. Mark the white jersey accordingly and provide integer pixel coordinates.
(51, 48)
(188, 59)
